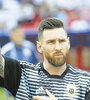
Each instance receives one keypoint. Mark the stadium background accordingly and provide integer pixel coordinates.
(28, 13)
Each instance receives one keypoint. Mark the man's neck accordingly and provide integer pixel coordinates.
(53, 70)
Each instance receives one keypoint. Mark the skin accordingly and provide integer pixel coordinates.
(2, 66)
(17, 37)
(54, 46)
(50, 96)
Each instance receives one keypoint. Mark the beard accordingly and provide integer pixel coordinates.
(56, 61)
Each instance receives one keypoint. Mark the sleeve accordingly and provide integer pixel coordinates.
(12, 75)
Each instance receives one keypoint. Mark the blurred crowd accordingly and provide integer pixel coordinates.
(75, 14)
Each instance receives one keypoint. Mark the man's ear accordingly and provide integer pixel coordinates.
(39, 47)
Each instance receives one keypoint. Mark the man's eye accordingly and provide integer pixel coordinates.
(62, 41)
(51, 41)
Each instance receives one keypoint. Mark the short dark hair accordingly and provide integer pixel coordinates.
(49, 23)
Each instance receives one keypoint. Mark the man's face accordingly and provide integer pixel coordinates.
(55, 46)
(17, 36)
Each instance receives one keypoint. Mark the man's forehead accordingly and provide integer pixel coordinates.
(55, 33)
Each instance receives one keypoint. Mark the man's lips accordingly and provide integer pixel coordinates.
(58, 54)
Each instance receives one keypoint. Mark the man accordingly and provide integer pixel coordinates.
(19, 48)
(52, 79)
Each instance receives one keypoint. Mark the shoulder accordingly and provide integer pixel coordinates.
(79, 72)
(7, 47)
(25, 64)
(28, 65)
(29, 44)
(8, 44)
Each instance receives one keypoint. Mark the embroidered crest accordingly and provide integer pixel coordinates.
(71, 90)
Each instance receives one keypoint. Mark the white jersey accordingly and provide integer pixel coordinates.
(73, 84)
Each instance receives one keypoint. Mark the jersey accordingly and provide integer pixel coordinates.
(73, 84)
(27, 52)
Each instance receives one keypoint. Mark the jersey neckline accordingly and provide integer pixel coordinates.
(54, 76)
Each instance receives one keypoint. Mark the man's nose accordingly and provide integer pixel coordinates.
(57, 46)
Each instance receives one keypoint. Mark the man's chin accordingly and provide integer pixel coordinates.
(57, 64)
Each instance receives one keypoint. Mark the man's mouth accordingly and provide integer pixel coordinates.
(58, 55)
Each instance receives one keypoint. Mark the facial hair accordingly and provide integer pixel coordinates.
(57, 62)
